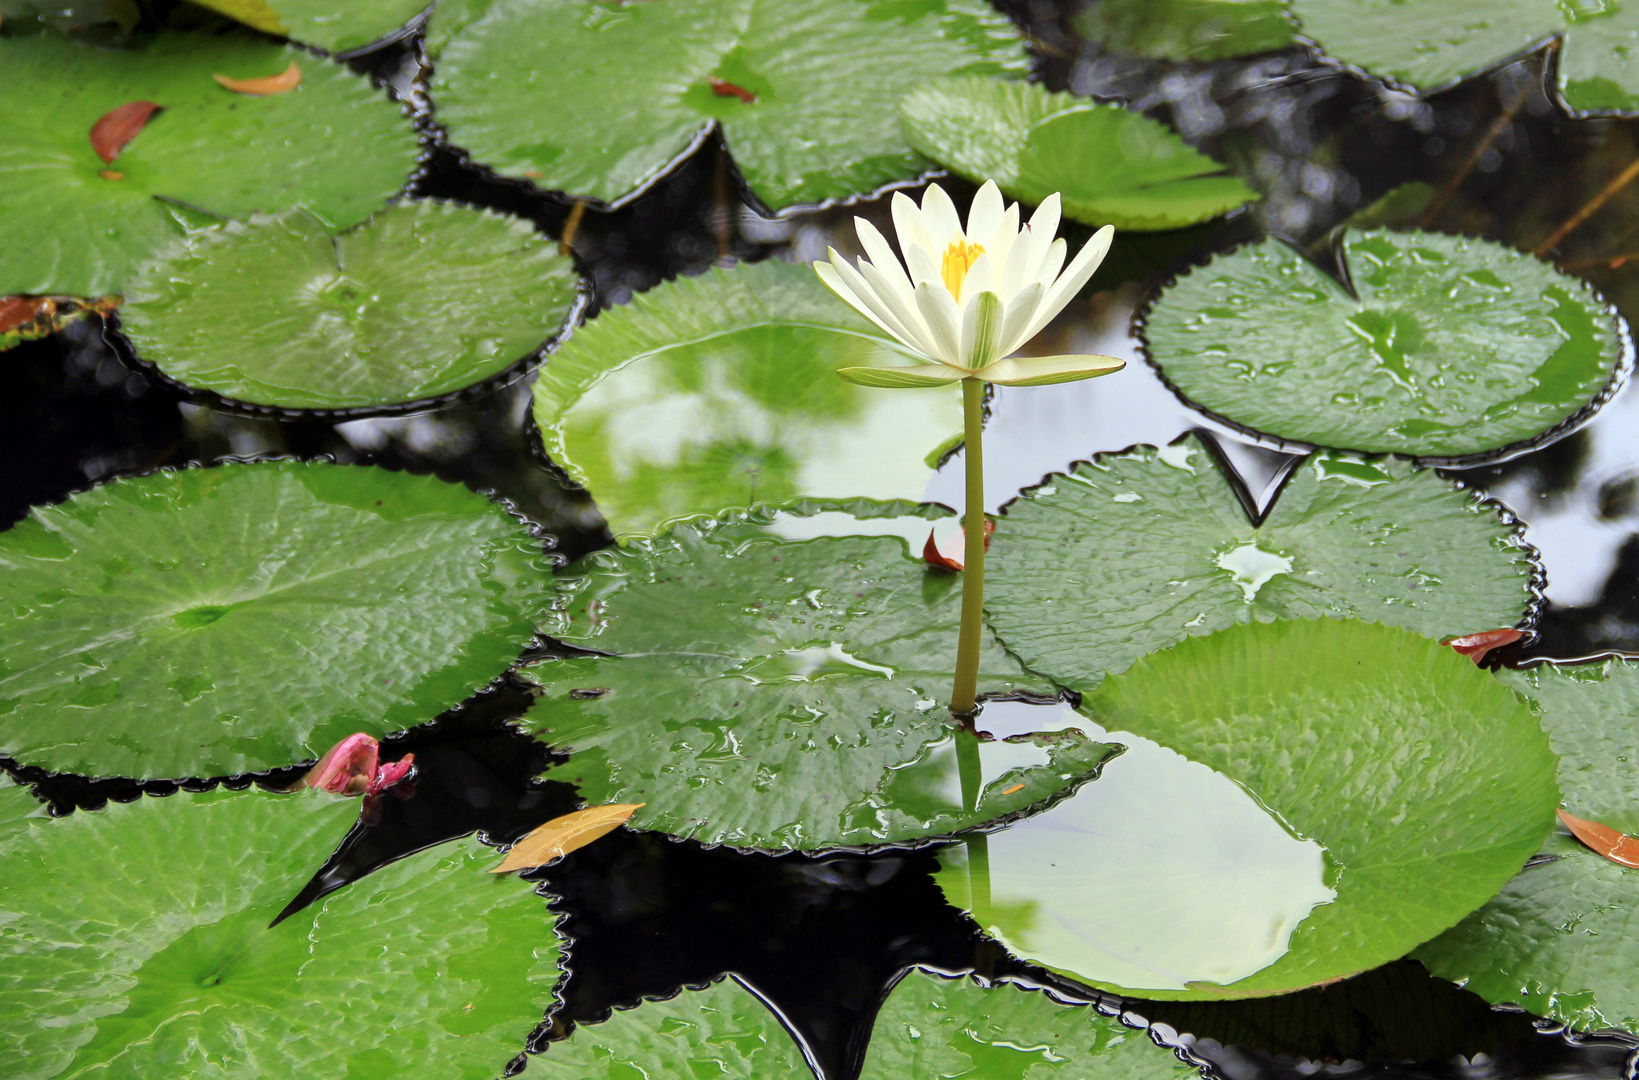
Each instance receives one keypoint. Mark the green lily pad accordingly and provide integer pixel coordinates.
(723, 1032)
(1073, 596)
(337, 27)
(939, 1027)
(423, 299)
(242, 617)
(616, 94)
(138, 945)
(1454, 346)
(721, 391)
(800, 703)
(1111, 166)
(1435, 42)
(1559, 939)
(1299, 712)
(334, 144)
(18, 807)
(1189, 30)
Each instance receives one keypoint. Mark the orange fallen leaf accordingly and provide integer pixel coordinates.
(724, 88)
(1604, 840)
(18, 311)
(562, 835)
(267, 85)
(118, 126)
(937, 559)
(1015, 787)
(1475, 646)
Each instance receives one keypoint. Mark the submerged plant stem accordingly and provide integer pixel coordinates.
(973, 558)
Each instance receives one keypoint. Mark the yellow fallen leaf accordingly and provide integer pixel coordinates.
(562, 835)
(266, 86)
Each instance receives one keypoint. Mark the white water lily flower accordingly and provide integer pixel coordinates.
(971, 296)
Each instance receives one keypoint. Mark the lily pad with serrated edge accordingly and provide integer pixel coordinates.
(237, 618)
(1138, 550)
(329, 24)
(799, 702)
(1189, 30)
(138, 942)
(937, 1026)
(423, 299)
(1453, 346)
(1110, 166)
(617, 94)
(1430, 44)
(18, 807)
(1559, 939)
(721, 391)
(334, 144)
(1300, 712)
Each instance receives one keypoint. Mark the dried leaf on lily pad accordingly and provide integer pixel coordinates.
(25, 318)
(561, 835)
(1603, 840)
(118, 126)
(266, 85)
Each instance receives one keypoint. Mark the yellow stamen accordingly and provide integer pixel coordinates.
(959, 259)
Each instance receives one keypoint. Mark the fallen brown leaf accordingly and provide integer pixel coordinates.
(562, 835)
(18, 311)
(118, 126)
(724, 88)
(1604, 840)
(267, 85)
(1475, 646)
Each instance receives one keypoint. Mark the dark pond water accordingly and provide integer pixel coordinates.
(822, 938)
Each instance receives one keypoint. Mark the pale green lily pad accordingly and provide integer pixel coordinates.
(721, 391)
(334, 25)
(723, 1032)
(138, 945)
(1073, 596)
(423, 299)
(1188, 30)
(1454, 345)
(1299, 713)
(798, 704)
(18, 807)
(1559, 940)
(242, 617)
(932, 1026)
(334, 144)
(616, 94)
(1431, 43)
(1110, 166)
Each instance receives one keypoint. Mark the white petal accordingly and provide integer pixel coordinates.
(1021, 311)
(1013, 276)
(944, 321)
(981, 277)
(880, 252)
(924, 267)
(982, 330)
(1044, 227)
(1074, 277)
(1049, 268)
(894, 286)
(878, 309)
(912, 229)
(1046, 370)
(828, 275)
(896, 378)
(1000, 246)
(985, 213)
(902, 307)
(940, 217)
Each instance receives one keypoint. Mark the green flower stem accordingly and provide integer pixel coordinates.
(973, 560)
(978, 844)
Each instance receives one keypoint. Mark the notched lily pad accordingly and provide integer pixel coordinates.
(617, 94)
(423, 299)
(243, 617)
(1111, 166)
(75, 225)
(1453, 346)
(800, 704)
(721, 391)
(1074, 595)
(1189, 30)
(336, 27)
(138, 944)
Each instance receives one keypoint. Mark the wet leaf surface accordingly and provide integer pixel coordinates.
(114, 615)
(616, 93)
(1112, 167)
(1197, 30)
(424, 299)
(561, 835)
(1072, 596)
(1454, 345)
(331, 26)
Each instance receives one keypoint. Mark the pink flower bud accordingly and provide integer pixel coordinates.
(390, 774)
(349, 768)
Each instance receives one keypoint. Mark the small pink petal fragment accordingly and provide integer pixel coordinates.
(348, 769)
(1604, 840)
(940, 561)
(391, 773)
(1475, 646)
(119, 126)
(724, 88)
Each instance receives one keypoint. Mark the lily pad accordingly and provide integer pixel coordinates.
(337, 27)
(18, 807)
(1559, 939)
(1189, 30)
(242, 617)
(721, 391)
(723, 1032)
(1298, 713)
(1074, 596)
(1452, 346)
(598, 100)
(1111, 166)
(423, 299)
(799, 704)
(78, 226)
(939, 1027)
(137, 943)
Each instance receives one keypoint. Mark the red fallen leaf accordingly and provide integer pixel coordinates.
(18, 311)
(1604, 840)
(117, 127)
(350, 768)
(939, 561)
(267, 85)
(1475, 646)
(724, 88)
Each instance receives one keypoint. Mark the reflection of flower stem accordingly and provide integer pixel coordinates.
(973, 558)
(978, 844)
